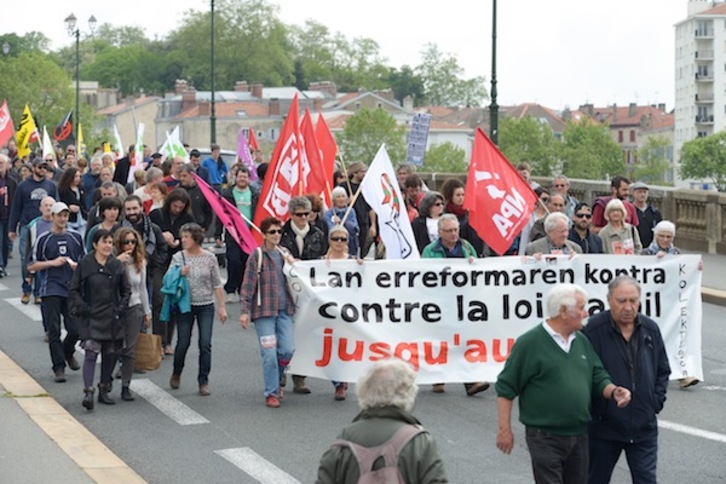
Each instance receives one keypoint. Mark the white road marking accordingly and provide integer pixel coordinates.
(256, 466)
(32, 311)
(685, 429)
(3, 287)
(714, 388)
(170, 406)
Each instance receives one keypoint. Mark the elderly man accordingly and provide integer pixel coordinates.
(561, 185)
(555, 242)
(386, 395)
(554, 371)
(580, 231)
(555, 203)
(631, 349)
(92, 180)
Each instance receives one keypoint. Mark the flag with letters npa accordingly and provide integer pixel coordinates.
(328, 148)
(499, 201)
(316, 183)
(381, 191)
(287, 172)
(243, 153)
(63, 133)
(6, 124)
(26, 132)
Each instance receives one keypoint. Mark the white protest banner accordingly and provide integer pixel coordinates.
(456, 322)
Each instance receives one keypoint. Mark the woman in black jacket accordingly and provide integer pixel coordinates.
(99, 296)
(71, 192)
(425, 226)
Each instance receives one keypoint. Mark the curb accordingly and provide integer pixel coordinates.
(89, 453)
(713, 296)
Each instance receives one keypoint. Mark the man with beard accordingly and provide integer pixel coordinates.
(201, 210)
(620, 189)
(580, 231)
(91, 181)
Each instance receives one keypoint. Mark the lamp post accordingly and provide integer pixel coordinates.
(212, 117)
(70, 22)
(494, 107)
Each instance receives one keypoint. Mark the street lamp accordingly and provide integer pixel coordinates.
(70, 22)
(494, 107)
(212, 117)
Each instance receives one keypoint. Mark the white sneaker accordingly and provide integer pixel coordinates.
(231, 298)
(688, 381)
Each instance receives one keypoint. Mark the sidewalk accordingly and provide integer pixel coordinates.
(713, 285)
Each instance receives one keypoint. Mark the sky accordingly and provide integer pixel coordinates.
(559, 53)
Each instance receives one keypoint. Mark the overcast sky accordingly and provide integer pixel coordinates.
(557, 52)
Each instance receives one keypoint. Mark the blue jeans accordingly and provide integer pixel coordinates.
(23, 251)
(277, 344)
(185, 322)
(642, 458)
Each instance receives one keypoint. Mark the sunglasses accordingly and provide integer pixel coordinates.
(560, 186)
(585, 215)
(70, 151)
(274, 231)
(545, 199)
(438, 204)
(130, 241)
(49, 160)
(339, 239)
(301, 214)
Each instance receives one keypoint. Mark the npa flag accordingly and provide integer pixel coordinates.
(328, 148)
(499, 201)
(317, 182)
(230, 217)
(287, 172)
(252, 141)
(381, 191)
(63, 133)
(243, 154)
(26, 132)
(6, 124)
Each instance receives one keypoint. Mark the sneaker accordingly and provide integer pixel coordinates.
(204, 390)
(477, 388)
(73, 364)
(231, 298)
(437, 388)
(272, 402)
(340, 391)
(168, 350)
(38, 300)
(60, 376)
(25, 299)
(688, 381)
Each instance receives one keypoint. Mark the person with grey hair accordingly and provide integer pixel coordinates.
(555, 203)
(554, 371)
(618, 236)
(386, 395)
(556, 227)
(561, 186)
(632, 351)
(335, 214)
(304, 241)
(425, 227)
(153, 175)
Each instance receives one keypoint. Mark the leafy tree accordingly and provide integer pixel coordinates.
(527, 139)
(130, 68)
(121, 36)
(705, 158)
(589, 152)
(653, 166)
(35, 41)
(366, 131)
(442, 83)
(445, 158)
(405, 82)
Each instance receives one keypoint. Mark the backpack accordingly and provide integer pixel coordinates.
(389, 450)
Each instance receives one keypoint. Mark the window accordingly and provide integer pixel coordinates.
(273, 134)
(632, 136)
(620, 136)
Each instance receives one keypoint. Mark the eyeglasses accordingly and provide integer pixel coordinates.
(585, 215)
(451, 230)
(545, 199)
(339, 239)
(70, 151)
(274, 231)
(49, 160)
(560, 185)
(130, 241)
(42, 167)
(438, 204)
(301, 214)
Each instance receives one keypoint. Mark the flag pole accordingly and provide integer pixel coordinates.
(251, 223)
(345, 174)
(351, 203)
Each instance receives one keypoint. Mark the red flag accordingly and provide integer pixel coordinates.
(252, 141)
(286, 174)
(6, 124)
(499, 201)
(317, 182)
(328, 148)
(229, 216)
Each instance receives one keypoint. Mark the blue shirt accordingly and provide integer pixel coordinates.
(217, 170)
(49, 246)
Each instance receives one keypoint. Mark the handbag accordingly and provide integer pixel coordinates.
(148, 352)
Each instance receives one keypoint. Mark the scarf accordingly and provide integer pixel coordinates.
(454, 209)
(654, 248)
(300, 236)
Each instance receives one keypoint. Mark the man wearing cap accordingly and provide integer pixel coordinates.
(363, 212)
(55, 255)
(23, 209)
(648, 216)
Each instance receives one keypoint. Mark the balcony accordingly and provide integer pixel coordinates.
(704, 119)
(704, 55)
(704, 33)
(704, 98)
(704, 77)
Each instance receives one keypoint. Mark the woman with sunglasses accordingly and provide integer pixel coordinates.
(426, 226)
(130, 252)
(266, 301)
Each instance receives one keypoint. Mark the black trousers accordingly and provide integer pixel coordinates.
(558, 459)
(236, 262)
(53, 308)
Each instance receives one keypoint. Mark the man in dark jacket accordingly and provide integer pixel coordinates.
(632, 351)
(8, 185)
(123, 166)
(580, 231)
(201, 211)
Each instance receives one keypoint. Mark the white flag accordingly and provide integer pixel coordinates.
(380, 189)
(137, 163)
(174, 147)
(119, 144)
(47, 144)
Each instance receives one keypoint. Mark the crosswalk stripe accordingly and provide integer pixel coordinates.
(685, 429)
(32, 311)
(256, 466)
(168, 405)
(3, 287)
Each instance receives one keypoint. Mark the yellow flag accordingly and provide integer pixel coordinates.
(26, 130)
(82, 150)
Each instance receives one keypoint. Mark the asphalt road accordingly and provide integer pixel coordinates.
(178, 436)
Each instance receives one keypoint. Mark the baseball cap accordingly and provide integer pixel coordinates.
(638, 186)
(157, 155)
(39, 161)
(58, 207)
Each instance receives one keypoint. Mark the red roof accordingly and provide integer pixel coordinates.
(718, 10)
(230, 110)
(625, 116)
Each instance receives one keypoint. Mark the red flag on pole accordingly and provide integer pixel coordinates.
(328, 148)
(499, 201)
(286, 174)
(229, 216)
(252, 141)
(6, 124)
(317, 182)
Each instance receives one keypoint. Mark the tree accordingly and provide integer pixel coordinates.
(445, 158)
(589, 152)
(705, 158)
(653, 165)
(130, 68)
(442, 83)
(405, 82)
(366, 131)
(529, 140)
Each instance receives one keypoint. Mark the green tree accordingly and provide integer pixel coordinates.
(445, 158)
(529, 140)
(588, 151)
(130, 68)
(405, 82)
(705, 158)
(366, 131)
(441, 75)
(653, 165)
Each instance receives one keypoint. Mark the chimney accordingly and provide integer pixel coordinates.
(326, 87)
(189, 98)
(588, 109)
(408, 103)
(256, 90)
(241, 86)
(566, 115)
(274, 106)
(661, 107)
(317, 104)
(632, 109)
(615, 112)
(180, 86)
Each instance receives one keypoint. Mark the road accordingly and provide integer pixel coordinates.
(178, 436)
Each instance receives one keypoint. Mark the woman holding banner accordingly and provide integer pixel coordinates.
(618, 236)
(335, 214)
(425, 226)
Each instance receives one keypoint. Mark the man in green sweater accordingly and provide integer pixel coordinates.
(555, 372)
